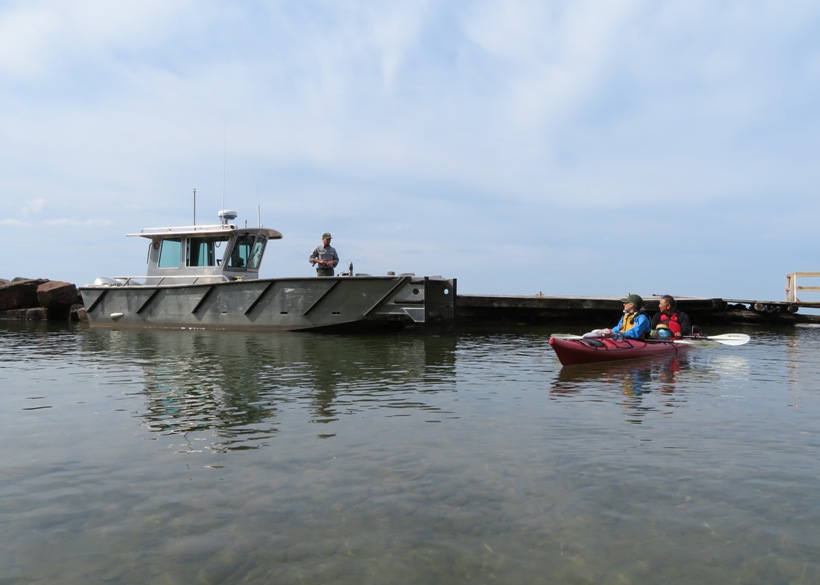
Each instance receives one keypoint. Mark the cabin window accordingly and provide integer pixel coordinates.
(258, 250)
(241, 253)
(205, 251)
(247, 252)
(170, 253)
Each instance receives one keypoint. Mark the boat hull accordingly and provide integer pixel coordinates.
(280, 304)
(587, 351)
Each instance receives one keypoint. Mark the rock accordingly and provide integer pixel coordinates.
(40, 299)
(20, 293)
(37, 314)
(13, 315)
(78, 313)
(56, 295)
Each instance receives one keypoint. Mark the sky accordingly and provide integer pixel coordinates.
(563, 147)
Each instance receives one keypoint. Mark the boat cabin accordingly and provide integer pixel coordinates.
(205, 253)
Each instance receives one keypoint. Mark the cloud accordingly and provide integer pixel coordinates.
(38, 36)
(71, 222)
(464, 134)
(34, 206)
(24, 34)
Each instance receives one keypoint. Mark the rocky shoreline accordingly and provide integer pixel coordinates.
(40, 299)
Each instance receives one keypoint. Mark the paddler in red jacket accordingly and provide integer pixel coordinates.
(668, 321)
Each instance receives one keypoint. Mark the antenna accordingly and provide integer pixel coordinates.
(195, 206)
(258, 207)
(224, 164)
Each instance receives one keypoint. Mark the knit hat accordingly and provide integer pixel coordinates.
(634, 299)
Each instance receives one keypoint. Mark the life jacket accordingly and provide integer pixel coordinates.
(671, 322)
(628, 322)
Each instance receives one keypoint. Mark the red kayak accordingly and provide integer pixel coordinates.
(587, 351)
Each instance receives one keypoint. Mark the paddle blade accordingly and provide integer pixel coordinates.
(731, 338)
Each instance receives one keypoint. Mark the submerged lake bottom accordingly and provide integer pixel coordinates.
(171, 457)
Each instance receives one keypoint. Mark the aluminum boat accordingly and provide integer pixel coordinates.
(207, 276)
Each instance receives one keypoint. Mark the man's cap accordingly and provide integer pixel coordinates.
(634, 299)
(326, 236)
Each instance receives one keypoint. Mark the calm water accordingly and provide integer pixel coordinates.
(197, 457)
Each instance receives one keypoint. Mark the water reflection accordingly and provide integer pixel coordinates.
(801, 365)
(241, 386)
(634, 379)
(516, 485)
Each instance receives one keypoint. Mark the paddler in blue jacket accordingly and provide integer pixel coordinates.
(634, 324)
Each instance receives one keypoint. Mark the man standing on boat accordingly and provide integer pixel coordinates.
(324, 257)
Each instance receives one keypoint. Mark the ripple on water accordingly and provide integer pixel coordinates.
(172, 457)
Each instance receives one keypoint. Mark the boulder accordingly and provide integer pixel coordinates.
(78, 313)
(13, 315)
(20, 293)
(37, 314)
(56, 295)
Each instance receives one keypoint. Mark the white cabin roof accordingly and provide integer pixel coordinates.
(205, 230)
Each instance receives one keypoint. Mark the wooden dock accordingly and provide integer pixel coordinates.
(21, 300)
(604, 311)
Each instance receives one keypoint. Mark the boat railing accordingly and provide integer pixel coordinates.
(792, 287)
(184, 229)
(159, 280)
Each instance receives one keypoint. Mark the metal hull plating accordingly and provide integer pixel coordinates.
(279, 304)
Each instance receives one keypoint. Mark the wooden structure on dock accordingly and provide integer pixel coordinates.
(792, 288)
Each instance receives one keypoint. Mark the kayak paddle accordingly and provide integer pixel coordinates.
(725, 339)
